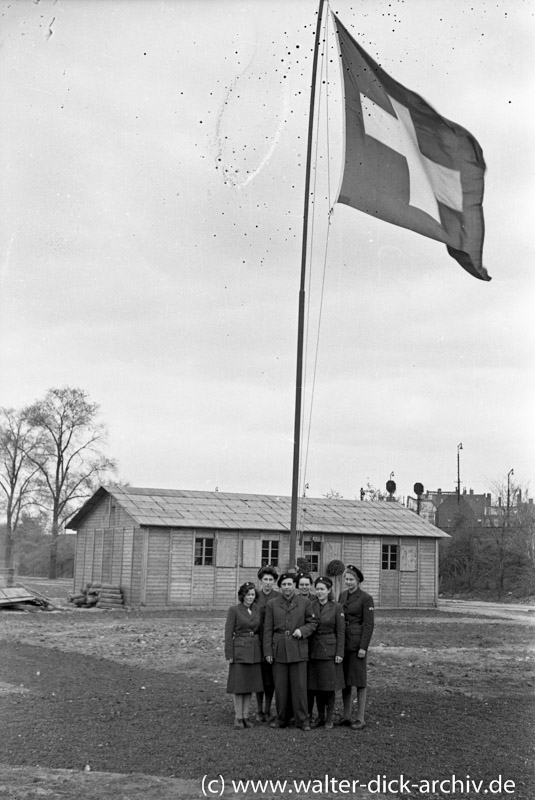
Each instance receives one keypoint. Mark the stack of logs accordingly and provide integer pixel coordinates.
(99, 595)
(110, 596)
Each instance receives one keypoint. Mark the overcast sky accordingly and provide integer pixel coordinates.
(153, 158)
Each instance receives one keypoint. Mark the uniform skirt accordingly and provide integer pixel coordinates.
(244, 678)
(325, 676)
(354, 670)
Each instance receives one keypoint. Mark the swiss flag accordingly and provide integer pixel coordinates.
(406, 164)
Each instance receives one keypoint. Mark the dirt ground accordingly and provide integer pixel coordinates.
(132, 704)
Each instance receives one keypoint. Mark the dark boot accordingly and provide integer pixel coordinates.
(330, 709)
(310, 702)
(269, 700)
(261, 717)
(320, 722)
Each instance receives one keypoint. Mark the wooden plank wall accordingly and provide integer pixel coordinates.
(107, 514)
(408, 588)
(352, 550)
(107, 553)
(180, 566)
(98, 555)
(155, 567)
(408, 579)
(427, 588)
(105, 556)
(97, 518)
(227, 556)
(79, 560)
(126, 566)
(203, 586)
(117, 556)
(89, 551)
(156, 585)
(371, 565)
(225, 589)
(136, 574)
(389, 588)
(331, 550)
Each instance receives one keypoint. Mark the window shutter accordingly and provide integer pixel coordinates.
(407, 562)
(226, 550)
(251, 553)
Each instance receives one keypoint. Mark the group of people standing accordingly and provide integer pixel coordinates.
(300, 647)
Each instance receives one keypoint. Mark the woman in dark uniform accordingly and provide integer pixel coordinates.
(325, 672)
(267, 576)
(358, 610)
(243, 652)
(304, 585)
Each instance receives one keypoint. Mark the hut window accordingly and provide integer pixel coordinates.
(270, 552)
(204, 551)
(390, 556)
(312, 553)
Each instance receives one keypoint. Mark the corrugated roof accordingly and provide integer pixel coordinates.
(177, 508)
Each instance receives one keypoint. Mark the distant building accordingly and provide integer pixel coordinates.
(443, 508)
(169, 548)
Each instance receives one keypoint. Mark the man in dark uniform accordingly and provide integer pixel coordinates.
(290, 619)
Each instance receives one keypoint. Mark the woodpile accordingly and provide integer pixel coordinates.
(110, 596)
(98, 595)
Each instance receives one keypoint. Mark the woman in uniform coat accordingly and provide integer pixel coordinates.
(243, 652)
(304, 588)
(325, 672)
(267, 576)
(358, 610)
(304, 585)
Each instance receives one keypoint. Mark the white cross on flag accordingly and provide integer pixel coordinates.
(406, 164)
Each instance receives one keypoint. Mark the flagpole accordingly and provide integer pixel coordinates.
(301, 316)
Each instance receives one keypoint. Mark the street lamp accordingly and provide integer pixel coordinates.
(459, 448)
(511, 472)
(418, 491)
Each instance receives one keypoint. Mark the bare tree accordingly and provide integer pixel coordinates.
(332, 494)
(373, 493)
(512, 531)
(17, 472)
(497, 553)
(69, 455)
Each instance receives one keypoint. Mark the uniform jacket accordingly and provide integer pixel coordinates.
(263, 598)
(358, 610)
(281, 620)
(262, 601)
(242, 639)
(328, 640)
